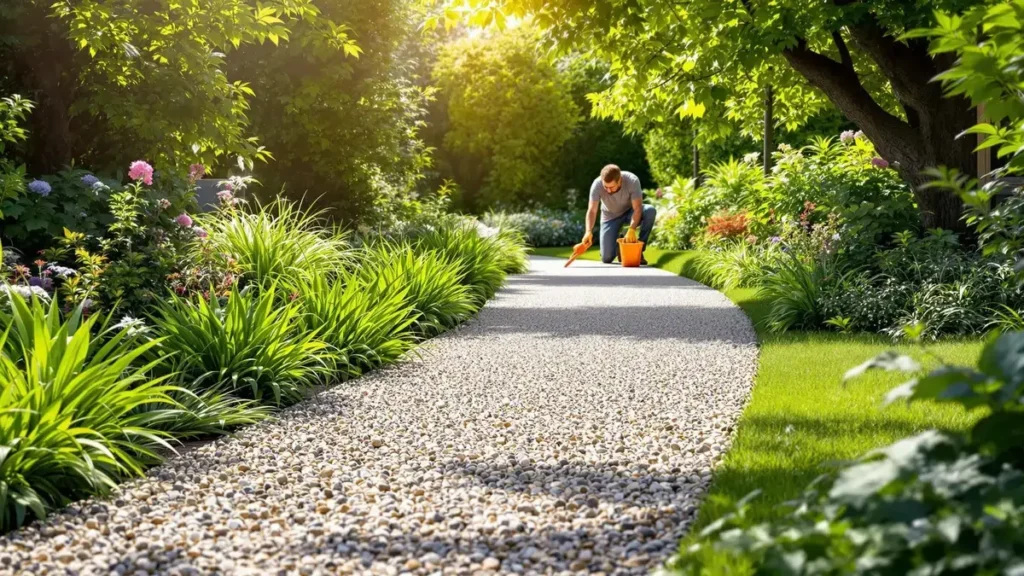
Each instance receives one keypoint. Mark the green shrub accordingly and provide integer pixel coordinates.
(543, 228)
(933, 503)
(276, 241)
(482, 263)
(253, 345)
(793, 291)
(735, 264)
(366, 321)
(70, 418)
(440, 302)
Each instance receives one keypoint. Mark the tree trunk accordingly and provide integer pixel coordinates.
(928, 137)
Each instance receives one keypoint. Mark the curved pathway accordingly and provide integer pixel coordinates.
(571, 427)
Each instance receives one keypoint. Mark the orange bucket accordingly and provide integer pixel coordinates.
(630, 253)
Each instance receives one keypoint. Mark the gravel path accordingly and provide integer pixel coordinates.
(572, 427)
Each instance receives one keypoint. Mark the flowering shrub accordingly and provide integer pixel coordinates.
(72, 199)
(542, 228)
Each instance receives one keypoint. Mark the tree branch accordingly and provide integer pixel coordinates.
(842, 86)
(844, 50)
(909, 70)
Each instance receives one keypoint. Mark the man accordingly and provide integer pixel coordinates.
(621, 201)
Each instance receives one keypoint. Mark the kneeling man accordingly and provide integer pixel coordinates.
(621, 199)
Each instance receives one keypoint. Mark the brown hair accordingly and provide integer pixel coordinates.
(611, 173)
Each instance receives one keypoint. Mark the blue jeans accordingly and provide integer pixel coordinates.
(610, 232)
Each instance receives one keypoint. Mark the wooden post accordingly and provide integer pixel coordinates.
(984, 157)
(769, 129)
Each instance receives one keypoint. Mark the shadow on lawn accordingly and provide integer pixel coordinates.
(788, 455)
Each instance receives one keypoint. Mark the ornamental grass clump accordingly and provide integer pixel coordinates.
(252, 344)
(276, 241)
(366, 321)
(482, 261)
(72, 421)
(439, 301)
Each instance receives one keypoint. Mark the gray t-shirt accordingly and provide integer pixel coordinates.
(617, 204)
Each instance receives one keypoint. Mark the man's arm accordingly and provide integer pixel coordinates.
(638, 212)
(588, 224)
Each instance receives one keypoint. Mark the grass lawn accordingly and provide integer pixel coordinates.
(801, 418)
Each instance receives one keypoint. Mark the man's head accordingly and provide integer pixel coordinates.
(611, 177)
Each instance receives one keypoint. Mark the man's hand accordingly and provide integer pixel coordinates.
(631, 235)
(588, 238)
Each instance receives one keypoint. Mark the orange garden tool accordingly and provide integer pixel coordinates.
(577, 251)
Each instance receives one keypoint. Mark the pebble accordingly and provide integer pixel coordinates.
(572, 426)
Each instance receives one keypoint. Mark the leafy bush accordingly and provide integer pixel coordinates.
(74, 200)
(253, 345)
(275, 241)
(543, 228)
(724, 225)
(366, 321)
(736, 264)
(794, 293)
(936, 502)
(13, 110)
(440, 302)
(72, 424)
(481, 261)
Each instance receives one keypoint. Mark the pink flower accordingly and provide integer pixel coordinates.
(659, 193)
(848, 136)
(225, 196)
(200, 232)
(227, 185)
(140, 170)
(196, 172)
(858, 134)
(164, 203)
(879, 162)
(184, 220)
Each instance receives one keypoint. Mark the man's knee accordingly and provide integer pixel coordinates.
(608, 258)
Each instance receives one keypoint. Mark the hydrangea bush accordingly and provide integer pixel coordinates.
(543, 228)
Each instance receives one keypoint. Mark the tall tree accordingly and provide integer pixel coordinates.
(714, 58)
(122, 79)
(509, 111)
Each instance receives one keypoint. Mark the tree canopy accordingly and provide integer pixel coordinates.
(713, 59)
(509, 112)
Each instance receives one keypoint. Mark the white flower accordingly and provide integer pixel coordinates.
(26, 292)
(134, 326)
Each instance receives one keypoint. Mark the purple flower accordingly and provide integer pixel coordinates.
(225, 196)
(848, 136)
(858, 134)
(140, 170)
(184, 220)
(44, 283)
(775, 239)
(40, 187)
(90, 180)
(196, 172)
(879, 162)
(200, 232)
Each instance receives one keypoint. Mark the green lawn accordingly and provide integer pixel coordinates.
(801, 419)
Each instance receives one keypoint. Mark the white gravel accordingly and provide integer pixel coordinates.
(571, 428)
